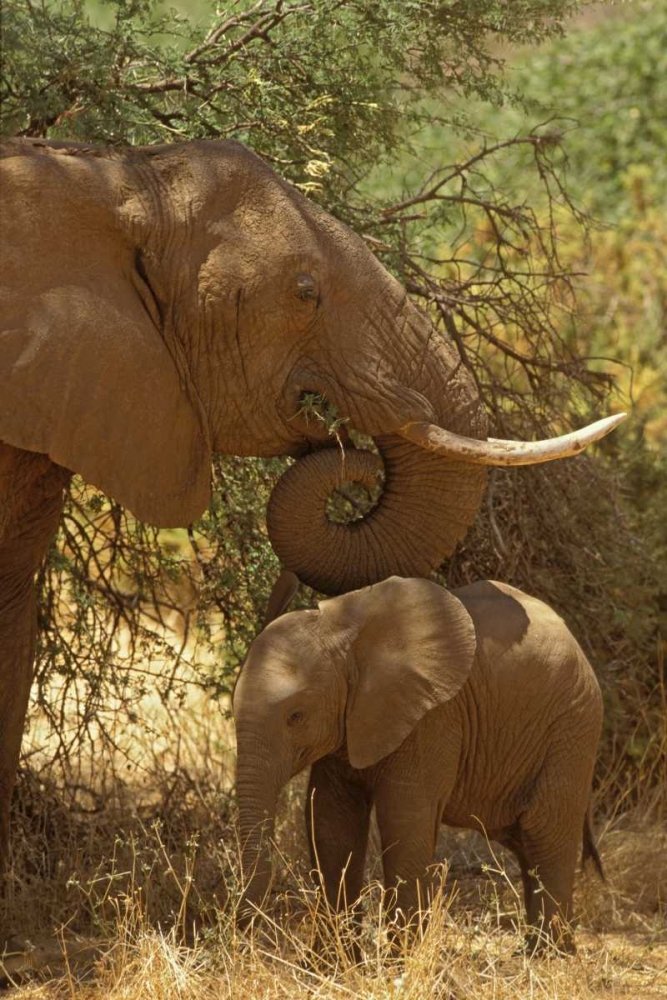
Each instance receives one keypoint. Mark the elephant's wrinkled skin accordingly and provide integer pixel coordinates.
(160, 303)
(475, 708)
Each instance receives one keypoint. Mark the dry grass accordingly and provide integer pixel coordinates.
(468, 950)
(125, 880)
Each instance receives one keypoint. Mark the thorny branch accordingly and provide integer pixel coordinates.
(216, 49)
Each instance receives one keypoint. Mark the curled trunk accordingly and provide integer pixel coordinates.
(434, 478)
(428, 501)
(425, 507)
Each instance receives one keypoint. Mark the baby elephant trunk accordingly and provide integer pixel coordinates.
(257, 791)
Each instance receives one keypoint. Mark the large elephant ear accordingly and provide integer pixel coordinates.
(86, 375)
(412, 648)
(88, 381)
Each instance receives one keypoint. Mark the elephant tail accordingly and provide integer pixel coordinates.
(589, 849)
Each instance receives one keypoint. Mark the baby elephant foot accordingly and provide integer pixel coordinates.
(556, 940)
(336, 941)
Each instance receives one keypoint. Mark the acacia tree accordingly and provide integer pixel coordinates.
(342, 97)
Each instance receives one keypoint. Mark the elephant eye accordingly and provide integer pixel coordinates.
(294, 718)
(306, 287)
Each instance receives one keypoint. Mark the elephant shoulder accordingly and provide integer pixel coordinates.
(506, 619)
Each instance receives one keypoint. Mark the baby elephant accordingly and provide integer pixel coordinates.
(476, 708)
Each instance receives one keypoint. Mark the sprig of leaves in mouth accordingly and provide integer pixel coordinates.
(313, 406)
(351, 501)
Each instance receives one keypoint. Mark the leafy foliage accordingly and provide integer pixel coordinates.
(616, 90)
(307, 84)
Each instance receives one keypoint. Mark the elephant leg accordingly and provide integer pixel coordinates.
(338, 812)
(513, 841)
(547, 868)
(531, 892)
(31, 499)
(531, 888)
(17, 648)
(408, 824)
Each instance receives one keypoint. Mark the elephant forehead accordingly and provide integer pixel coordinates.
(285, 658)
(271, 686)
(289, 637)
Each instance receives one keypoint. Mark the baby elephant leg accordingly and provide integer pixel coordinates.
(408, 831)
(338, 810)
(550, 851)
(551, 830)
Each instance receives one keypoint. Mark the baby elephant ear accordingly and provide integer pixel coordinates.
(413, 649)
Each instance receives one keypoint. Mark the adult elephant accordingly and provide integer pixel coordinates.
(164, 302)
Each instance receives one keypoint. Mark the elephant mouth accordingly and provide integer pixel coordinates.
(320, 412)
(313, 417)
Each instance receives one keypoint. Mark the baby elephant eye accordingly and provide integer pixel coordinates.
(294, 717)
(306, 287)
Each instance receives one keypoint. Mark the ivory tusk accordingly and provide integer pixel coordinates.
(495, 451)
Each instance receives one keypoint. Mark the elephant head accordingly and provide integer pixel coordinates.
(358, 673)
(161, 303)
